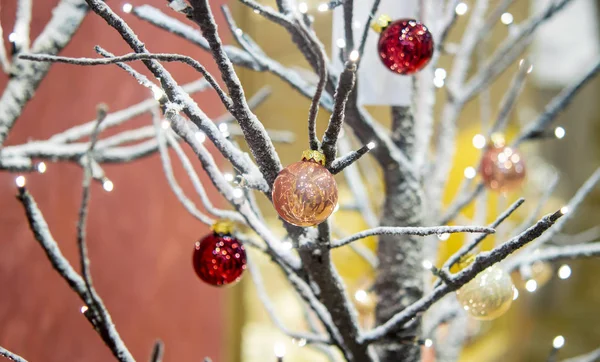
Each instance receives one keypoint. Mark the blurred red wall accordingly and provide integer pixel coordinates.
(140, 237)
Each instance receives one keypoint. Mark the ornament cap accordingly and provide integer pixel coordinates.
(312, 155)
(498, 139)
(222, 226)
(381, 23)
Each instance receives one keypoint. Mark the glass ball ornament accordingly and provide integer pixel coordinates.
(502, 167)
(488, 295)
(539, 271)
(305, 193)
(219, 258)
(405, 46)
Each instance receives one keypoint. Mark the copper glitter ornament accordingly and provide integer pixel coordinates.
(305, 193)
(219, 258)
(502, 167)
(489, 295)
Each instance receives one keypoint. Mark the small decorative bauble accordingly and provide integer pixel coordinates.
(305, 193)
(539, 271)
(502, 167)
(405, 46)
(488, 295)
(219, 258)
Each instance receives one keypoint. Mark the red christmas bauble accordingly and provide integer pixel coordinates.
(405, 46)
(502, 168)
(219, 259)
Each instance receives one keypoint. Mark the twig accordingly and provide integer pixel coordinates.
(357, 187)
(554, 253)
(570, 209)
(408, 230)
(557, 104)
(254, 131)
(239, 159)
(85, 199)
(189, 168)
(255, 60)
(66, 18)
(4, 62)
(316, 100)
(168, 170)
(348, 28)
(157, 351)
(540, 204)
(593, 356)
(460, 203)
(133, 57)
(510, 98)
(339, 164)
(465, 249)
(22, 24)
(367, 29)
(11, 356)
(38, 225)
(345, 86)
(270, 308)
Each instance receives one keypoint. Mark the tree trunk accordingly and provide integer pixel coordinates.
(399, 280)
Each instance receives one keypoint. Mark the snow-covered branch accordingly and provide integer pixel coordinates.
(407, 230)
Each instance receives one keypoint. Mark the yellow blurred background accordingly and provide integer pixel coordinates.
(559, 307)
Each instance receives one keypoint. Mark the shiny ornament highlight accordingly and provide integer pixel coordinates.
(405, 46)
(305, 193)
(502, 168)
(489, 295)
(219, 258)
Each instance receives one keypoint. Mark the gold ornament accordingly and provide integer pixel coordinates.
(540, 271)
(488, 295)
(381, 23)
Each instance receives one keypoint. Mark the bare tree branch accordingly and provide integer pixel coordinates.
(132, 57)
(266, 301)
(104, 324)
(408, 230)
(254, 132)
(11, 356)
(345, 86)
(157, 351)
(482, 261)
(557, 104)
(22, 24)
(68, 15)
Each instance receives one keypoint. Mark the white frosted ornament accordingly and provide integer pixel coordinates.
(488, 295)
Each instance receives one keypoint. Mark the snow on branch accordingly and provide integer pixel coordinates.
(345, 86)
(66, 18)
(11, 356)
(467, 248)
(100, 317)
(254, 131)
(133, 57)
(157, 352)
(339, 164)
(408, 230)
